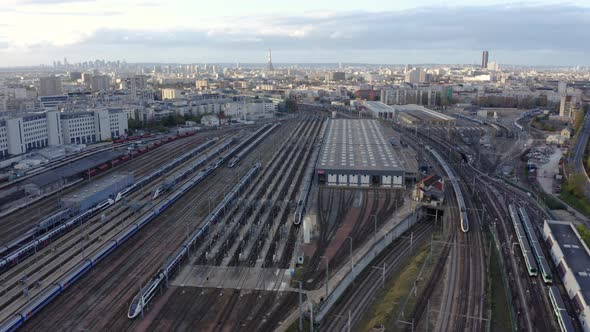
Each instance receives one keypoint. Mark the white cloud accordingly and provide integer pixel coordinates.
(428, 34)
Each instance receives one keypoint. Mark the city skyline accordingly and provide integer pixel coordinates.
(183, 32)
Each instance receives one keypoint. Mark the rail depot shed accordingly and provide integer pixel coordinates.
(411, 115)
(355, 152)
(572, 258)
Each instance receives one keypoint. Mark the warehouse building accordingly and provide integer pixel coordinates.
(380, 110)
(355, 153)
(572, 258)
(98, 191)
(412, 115)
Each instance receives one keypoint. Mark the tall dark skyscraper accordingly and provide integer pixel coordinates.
(484, 59)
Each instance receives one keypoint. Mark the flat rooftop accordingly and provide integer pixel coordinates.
(377, 106)
(574, 252)
(117, 181)
(357, 145)
(73, 168)
(423, 113)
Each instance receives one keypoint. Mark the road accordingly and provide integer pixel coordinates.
(580, 147)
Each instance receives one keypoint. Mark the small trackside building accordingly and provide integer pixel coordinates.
(355, 153)
(572, 258)
(380, 110)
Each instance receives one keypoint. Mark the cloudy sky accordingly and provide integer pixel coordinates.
(542, 32)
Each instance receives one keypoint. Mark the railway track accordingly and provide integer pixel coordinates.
(22, 220)
(102, 298)
(227, 243)
(532, 310)
(464, 300)
(358, 299)
(66, 251)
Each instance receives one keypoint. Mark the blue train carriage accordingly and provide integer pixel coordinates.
(563, 319)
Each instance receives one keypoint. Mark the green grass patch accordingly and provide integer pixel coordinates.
(388, 305)
(551, 202)
(295, 326)
(501, 320)
(584, 233)
(579, 203)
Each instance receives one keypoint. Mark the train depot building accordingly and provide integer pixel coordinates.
(355, 153)
(572, 258)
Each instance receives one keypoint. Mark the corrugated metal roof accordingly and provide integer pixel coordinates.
(46, 178)
(357, 145)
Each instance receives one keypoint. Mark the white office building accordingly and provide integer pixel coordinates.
(250, 110)
(21, 134)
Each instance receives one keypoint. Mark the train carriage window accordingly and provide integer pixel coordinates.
(561, 269)
(549, 242)
(577, 303)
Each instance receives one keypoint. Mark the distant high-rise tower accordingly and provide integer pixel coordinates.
(270, 67)
(484, 59)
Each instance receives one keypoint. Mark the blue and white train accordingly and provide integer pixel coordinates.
(304, 194)
(54, 226)
(147, 293)
(63, 283)
(250, 147)
(39, 302)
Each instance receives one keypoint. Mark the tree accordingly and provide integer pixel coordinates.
(291, 105)
(579, 121)
(575, 184)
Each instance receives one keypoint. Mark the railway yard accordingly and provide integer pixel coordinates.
(490, 198)
(220, 228)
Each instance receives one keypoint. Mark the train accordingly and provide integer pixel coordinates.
(525, 248)
(544, 269)
(147, 293)
(133, 154)
(132, 138)
(304, 194)
(46, 230)
(463, 217)
(255, 141)
(37, 243)
(64, 282)
(563, 319)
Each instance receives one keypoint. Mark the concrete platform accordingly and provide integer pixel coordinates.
(234, 277)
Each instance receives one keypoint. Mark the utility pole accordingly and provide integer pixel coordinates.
(382, 274)
(351, 261)
(300, 307)
(310, 316)
(327, 275)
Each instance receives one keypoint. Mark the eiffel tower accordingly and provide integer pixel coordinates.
(270, 67)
